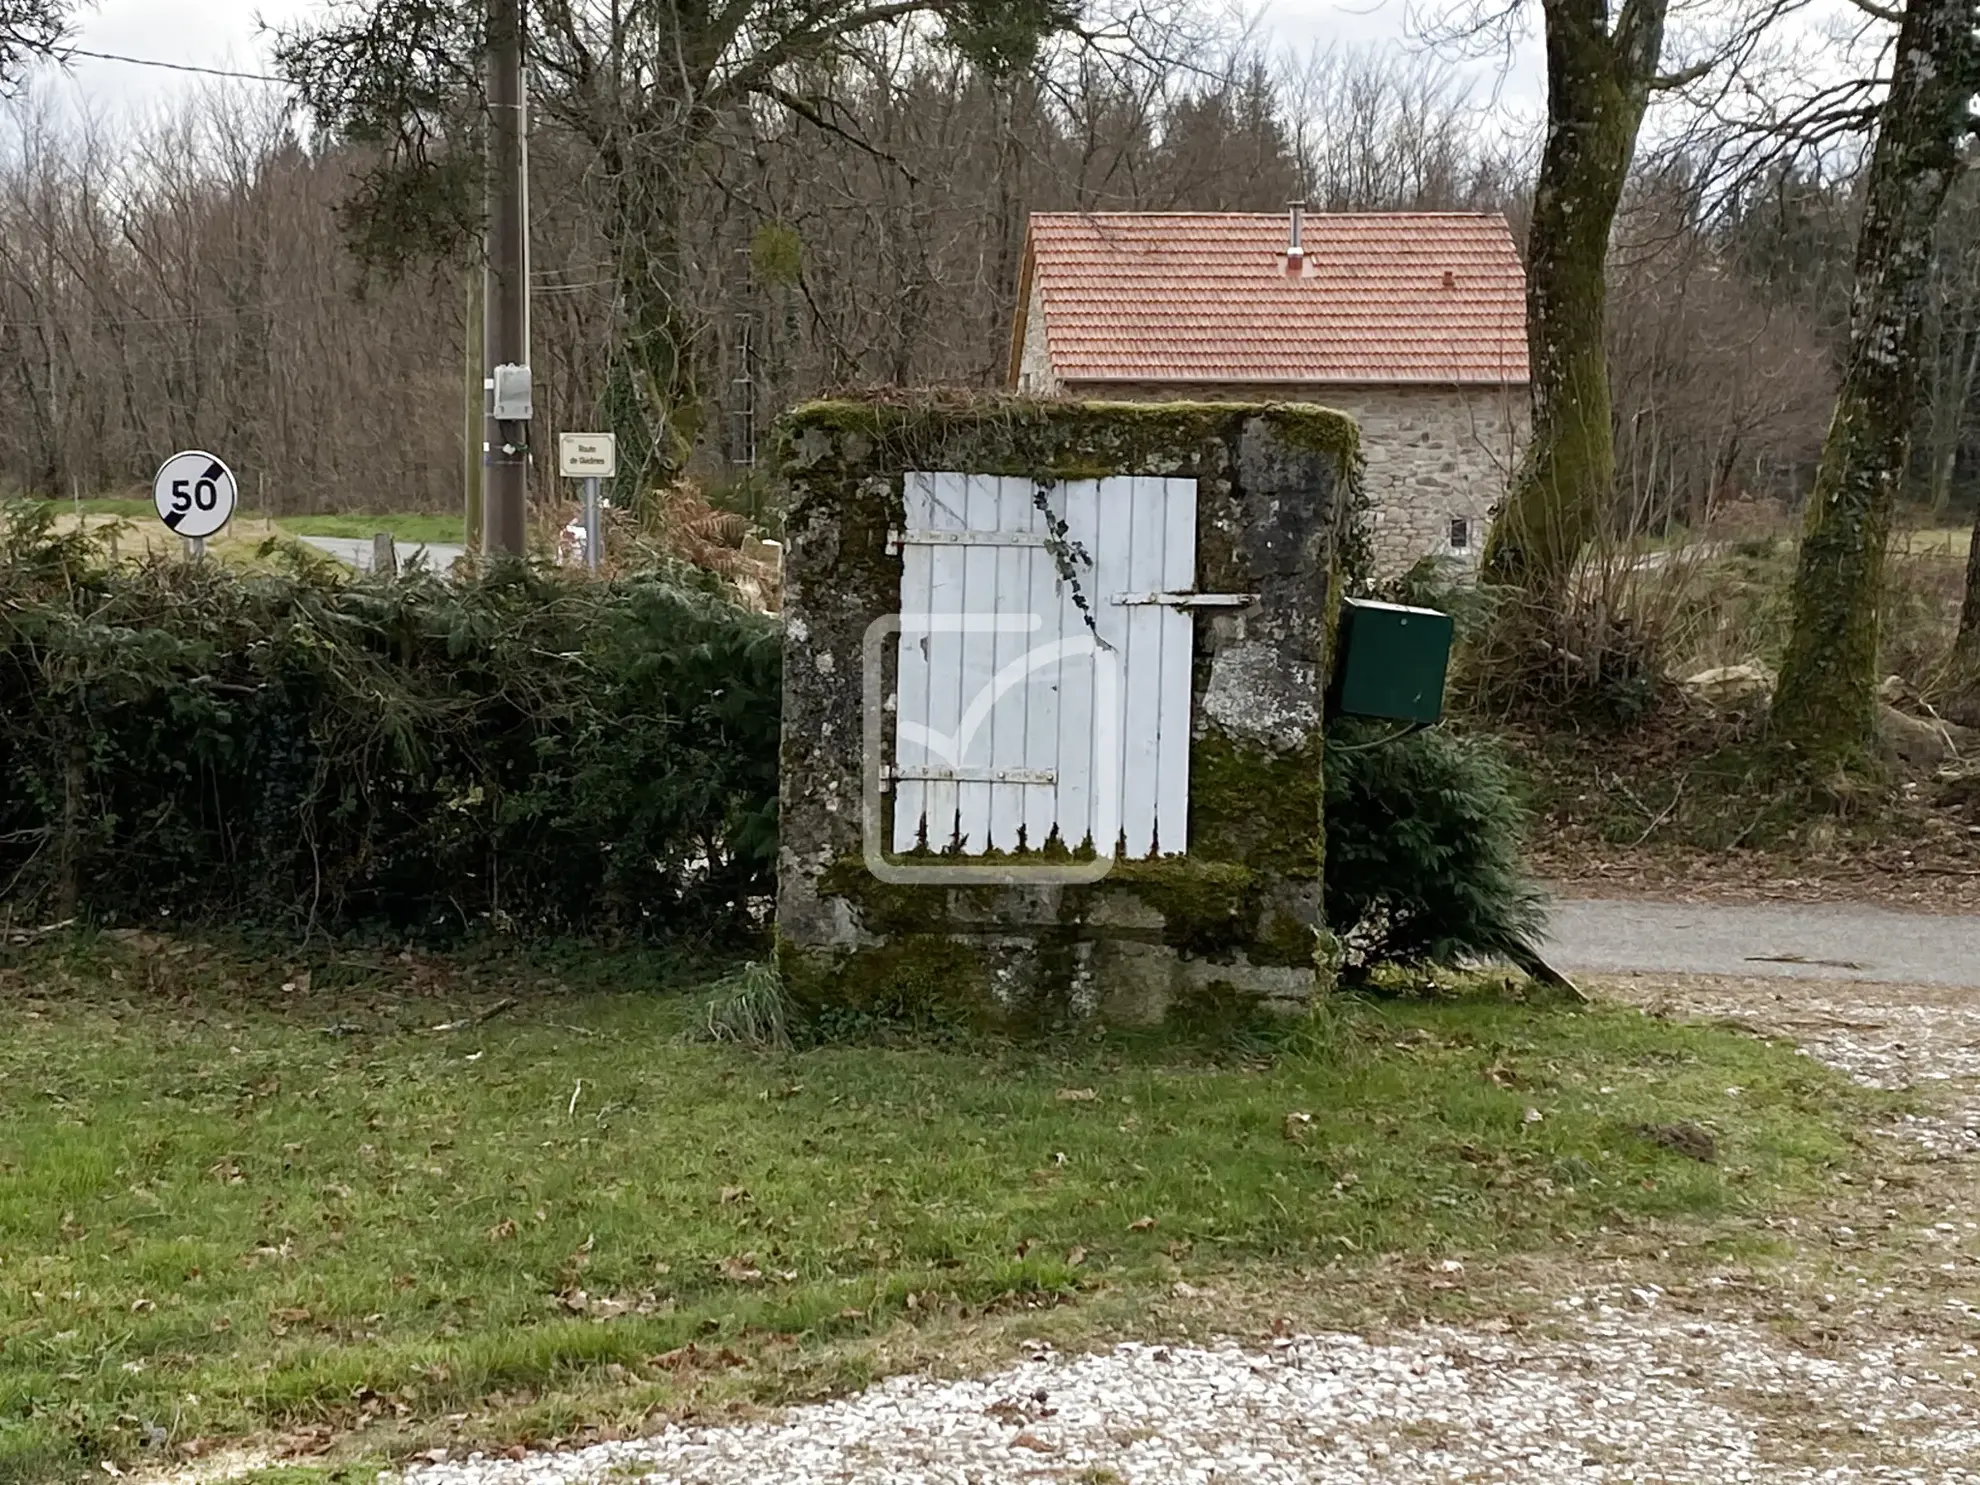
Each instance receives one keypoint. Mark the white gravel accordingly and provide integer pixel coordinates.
(1626, 1393)
(1896, 1038)
(1622, 1384)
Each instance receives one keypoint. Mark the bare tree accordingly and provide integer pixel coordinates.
(187, 282)
(1721, 389)
(29, 30)
(1951, 343)
(643, 86)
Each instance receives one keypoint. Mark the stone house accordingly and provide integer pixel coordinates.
(1413, 323)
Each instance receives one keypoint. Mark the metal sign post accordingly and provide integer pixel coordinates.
(591, 534)
(590, 457)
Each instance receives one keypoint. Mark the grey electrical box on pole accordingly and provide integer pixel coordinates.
(510, 396)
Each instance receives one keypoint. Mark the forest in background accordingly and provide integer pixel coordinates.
(189, 282)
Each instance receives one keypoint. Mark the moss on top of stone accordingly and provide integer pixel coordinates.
(1113, 437)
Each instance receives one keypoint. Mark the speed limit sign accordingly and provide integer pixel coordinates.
(194, 493)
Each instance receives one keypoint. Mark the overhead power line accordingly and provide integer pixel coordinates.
(76, 51)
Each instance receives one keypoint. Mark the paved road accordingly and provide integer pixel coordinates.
(356, 551)
(1817, 941)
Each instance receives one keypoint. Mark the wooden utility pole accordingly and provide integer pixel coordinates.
(506, 282)
(474, 431)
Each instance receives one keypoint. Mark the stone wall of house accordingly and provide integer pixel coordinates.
(1034, 362)
(1436, 456)
(1033, 935)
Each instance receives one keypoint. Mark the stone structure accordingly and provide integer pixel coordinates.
(1233, 922)
(1411, 323)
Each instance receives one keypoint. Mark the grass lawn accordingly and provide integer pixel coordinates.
(402, 1200)
(1945, 541)
(407, 528)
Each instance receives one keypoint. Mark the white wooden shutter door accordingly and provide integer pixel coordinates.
(1004, 736)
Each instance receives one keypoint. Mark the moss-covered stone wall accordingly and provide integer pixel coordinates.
(1235, 921)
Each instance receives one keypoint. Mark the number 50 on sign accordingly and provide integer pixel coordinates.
(194, 494)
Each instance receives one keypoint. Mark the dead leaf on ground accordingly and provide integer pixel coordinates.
(1296, 1126)
(1078, 1095)
(731, 1195)
(1075, 1258)
(741, 1270)
(502, 1231)
(1141, 1224)
(692, 1357)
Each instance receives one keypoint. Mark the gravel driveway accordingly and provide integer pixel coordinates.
(1851, 1360)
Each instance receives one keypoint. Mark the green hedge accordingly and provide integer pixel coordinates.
(296, 748)
(524, 751)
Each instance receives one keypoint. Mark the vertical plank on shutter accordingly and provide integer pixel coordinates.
(948, 505)
(1142, 670)
(1073, 811)
(979, 656)
(1112, 574)
(1178, 644)
(911, 693)
(1041, 707)
(1007, 715)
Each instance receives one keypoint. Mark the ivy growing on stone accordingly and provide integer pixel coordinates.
(1068, 556)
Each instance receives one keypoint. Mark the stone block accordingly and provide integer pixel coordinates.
(1232, 923)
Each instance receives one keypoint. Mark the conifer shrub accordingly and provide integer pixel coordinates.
(1424, 832)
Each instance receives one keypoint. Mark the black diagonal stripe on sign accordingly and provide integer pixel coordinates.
(214, 471)
(174, 519)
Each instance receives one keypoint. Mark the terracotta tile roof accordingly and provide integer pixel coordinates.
(1382, 297)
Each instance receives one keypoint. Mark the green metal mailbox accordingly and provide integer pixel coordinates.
(1390, 662)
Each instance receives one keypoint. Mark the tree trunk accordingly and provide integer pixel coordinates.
(1953, 376)
(653, 392)
(1825, 707)
(1597, 86)
(1963, 705)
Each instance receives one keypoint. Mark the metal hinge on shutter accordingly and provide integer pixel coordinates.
(1185, 600)
(923, 537)
(915, 773)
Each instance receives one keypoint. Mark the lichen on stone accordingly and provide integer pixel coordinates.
(1235, 918)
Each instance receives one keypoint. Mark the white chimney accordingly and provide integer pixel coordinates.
(1295, 254)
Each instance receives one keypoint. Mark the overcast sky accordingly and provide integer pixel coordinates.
(227, 33)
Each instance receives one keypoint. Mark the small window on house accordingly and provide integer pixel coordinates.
(1460, 534)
